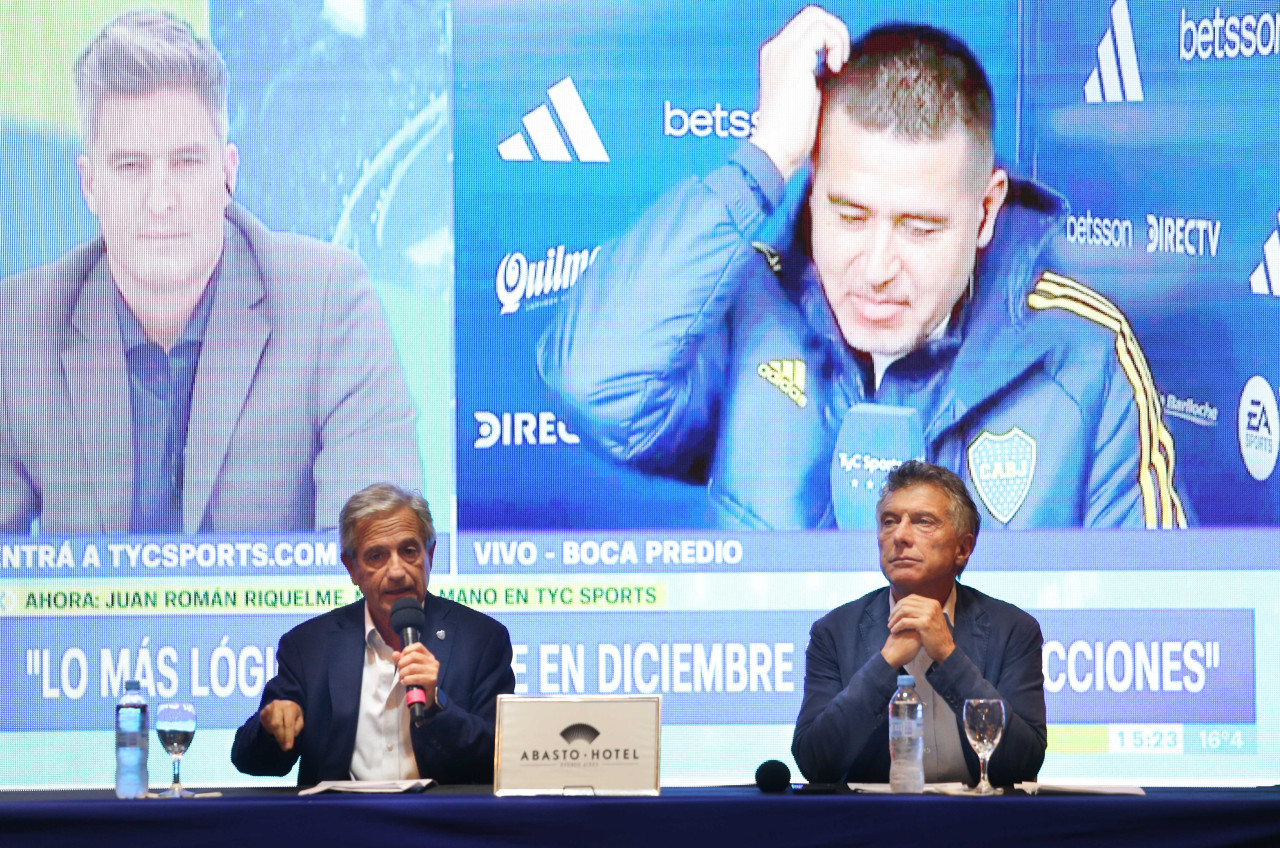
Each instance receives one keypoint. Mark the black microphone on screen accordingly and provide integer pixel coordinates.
(773, 776)
(408, 619)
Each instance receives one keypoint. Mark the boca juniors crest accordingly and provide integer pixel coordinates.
(1001, 468)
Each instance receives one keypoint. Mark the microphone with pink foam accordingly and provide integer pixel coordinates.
(409, 620)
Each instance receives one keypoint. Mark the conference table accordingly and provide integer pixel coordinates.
(732, 815)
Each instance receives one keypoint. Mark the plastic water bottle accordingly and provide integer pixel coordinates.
(131, 742)
(906, 738)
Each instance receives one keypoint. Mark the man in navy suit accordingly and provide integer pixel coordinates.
(338, 701)
(957, 642)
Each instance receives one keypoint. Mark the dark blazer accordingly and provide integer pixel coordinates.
(321, 663)
(299, 399)
(842, 734)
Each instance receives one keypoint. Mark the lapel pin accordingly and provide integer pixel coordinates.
(440, 635)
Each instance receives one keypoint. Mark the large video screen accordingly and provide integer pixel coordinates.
(648, 450)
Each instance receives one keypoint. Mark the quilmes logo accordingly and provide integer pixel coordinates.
(521, 428)
(1265, 279)
(789, 377)
(1116, 78)
(1257, 421)
(1189, 409)
(547, 140)
(1230, 37)
(519, 280)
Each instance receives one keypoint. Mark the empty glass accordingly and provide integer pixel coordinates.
(984, 725)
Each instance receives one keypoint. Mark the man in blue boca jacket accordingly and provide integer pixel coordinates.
(912, 276)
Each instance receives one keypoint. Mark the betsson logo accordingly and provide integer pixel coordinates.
(719, 121)
(518, 280)
(1235, 36)
(1101, 232)
(521, 428)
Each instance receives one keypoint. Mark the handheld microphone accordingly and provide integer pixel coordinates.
(773, 776)
(408, 619)
(873, 440)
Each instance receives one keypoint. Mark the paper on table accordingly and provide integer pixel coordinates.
(369, 786)
(1056, 789)
(929, 788)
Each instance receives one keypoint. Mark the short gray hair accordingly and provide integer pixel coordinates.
(141, 51)
(965, 517)
(376, 501)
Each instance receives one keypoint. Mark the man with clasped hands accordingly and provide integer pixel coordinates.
(956, 641)
(338, 701)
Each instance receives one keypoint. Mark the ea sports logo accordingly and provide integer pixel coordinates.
(1258, 424)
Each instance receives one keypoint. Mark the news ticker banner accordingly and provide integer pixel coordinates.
(1161, 661)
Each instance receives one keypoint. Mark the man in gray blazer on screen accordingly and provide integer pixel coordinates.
(189, 370)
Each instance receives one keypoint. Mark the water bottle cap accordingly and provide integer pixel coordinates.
(906, 680)
(132, 686)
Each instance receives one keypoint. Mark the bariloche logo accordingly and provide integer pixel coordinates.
(1001, 468)
(579, 733)
(1268, 268)
(789, 377)
(547, 141)
(1257, 421)
(1116, 78)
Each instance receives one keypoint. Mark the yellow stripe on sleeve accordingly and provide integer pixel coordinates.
(1160, 502)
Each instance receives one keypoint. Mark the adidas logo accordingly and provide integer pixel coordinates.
(1268, 268)
(547, 141)
(1117, 63)
(788, 376)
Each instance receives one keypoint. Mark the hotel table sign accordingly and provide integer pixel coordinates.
(577, 745)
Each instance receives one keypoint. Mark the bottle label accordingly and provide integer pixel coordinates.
(900, 728)
(129, 719)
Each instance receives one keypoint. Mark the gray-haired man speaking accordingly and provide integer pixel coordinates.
(188, 370)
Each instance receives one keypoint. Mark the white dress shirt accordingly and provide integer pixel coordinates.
(384, 749)
(943, 754)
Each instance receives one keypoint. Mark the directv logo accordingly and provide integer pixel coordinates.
(1117, 63)
(1269, 267)
(547, 141)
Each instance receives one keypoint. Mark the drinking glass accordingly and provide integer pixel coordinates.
(984, 724)
(176, 725)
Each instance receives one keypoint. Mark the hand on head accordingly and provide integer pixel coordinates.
(790, 99)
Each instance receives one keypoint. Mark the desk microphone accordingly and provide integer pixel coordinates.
(874, 439)
(773, 776)
(408, 619)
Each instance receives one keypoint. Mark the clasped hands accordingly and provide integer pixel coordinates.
(917, 622)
